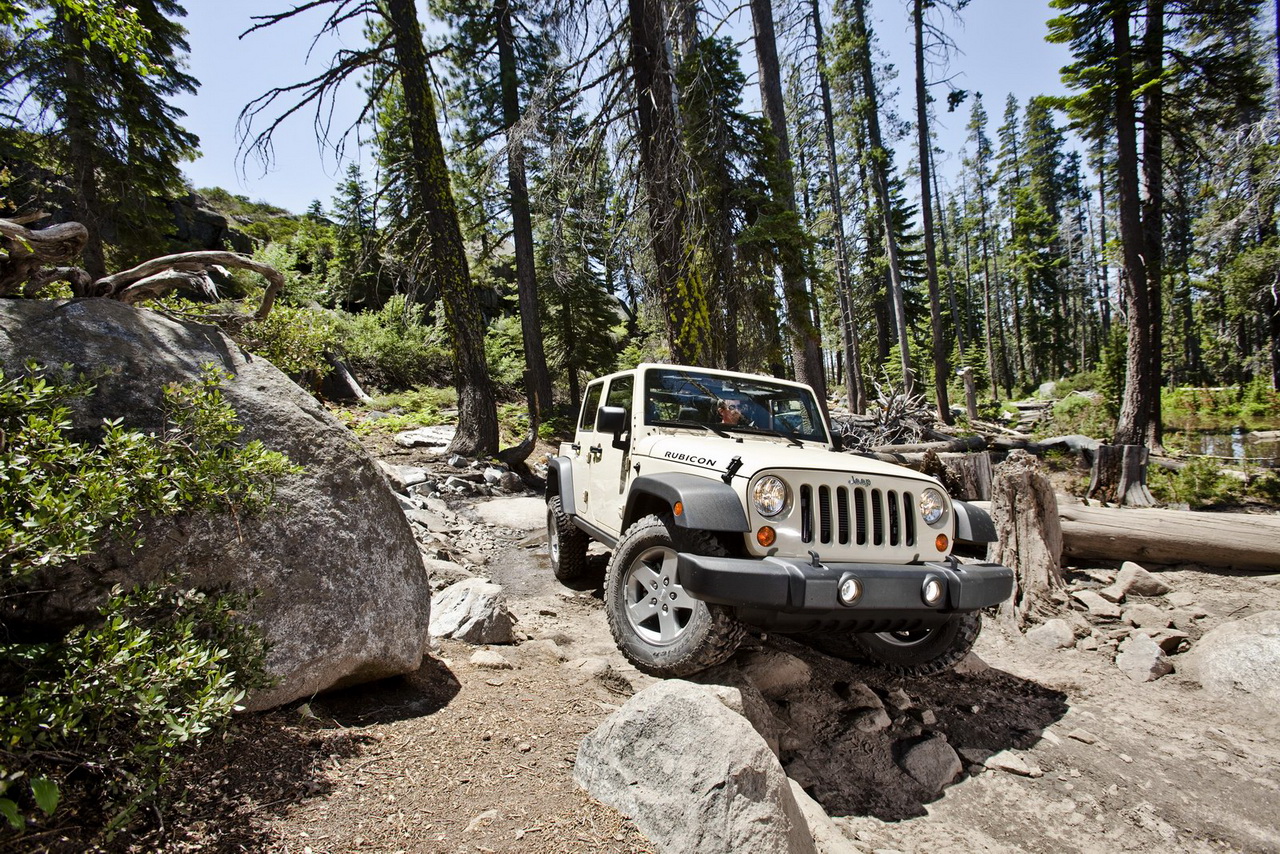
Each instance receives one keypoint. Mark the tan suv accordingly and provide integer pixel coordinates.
(727, 504)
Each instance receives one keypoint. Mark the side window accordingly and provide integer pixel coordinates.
(590, 403)
(620, 394)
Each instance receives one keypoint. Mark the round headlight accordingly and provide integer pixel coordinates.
(769, 496)
(932, 506)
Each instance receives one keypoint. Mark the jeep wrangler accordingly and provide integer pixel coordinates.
(727, 504)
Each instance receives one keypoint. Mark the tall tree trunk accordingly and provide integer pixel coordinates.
(957, 321)
(535, 357)
(1153, 207)
(86, 199)
(1135, 407)
(941, 370)
(854, 384)
(682, 294)
(878, 167)
(432, 209)
(1104, 281)
(806, 341)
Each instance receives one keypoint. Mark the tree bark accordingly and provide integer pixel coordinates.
(855, 386)
(941, 371)
(1029, 538)
(665, 181)
(1120, 476)
(432, 208)
(535, 358)
(1153, 208)
(806, 342)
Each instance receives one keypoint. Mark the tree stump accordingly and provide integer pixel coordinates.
(1119, 476)
(1029, 538)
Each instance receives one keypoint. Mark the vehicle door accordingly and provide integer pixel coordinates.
(584, 439)
(609, 465)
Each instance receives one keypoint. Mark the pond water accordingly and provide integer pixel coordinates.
(1261, 450)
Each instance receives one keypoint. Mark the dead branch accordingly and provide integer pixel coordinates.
(23, 251)
(149, 278)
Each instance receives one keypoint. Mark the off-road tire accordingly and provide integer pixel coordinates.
(681, 635)
(566, 544)
(920, 653)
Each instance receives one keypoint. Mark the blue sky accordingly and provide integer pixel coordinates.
(1001, 42)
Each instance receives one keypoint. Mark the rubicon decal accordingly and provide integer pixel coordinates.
(690, 458)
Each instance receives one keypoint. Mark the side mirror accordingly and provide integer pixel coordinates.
(613, 419)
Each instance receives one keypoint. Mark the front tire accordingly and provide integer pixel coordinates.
(566, 544)
(657, 625)
(923, 652)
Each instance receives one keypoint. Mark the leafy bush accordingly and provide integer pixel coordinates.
(1078, 413)
(421, 407)
(102, 712)
(1200, 483)
(394, 349)
(295, 340)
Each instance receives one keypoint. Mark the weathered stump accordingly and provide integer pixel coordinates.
(965, 476)
(1029, 538)
(1119, 476)
(970, 393)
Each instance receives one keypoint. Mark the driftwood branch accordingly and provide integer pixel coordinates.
(23, 252)
(147, 280)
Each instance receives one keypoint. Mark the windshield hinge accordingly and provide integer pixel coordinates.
(731, 469)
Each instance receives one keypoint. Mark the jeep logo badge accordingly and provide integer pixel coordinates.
(859, 481)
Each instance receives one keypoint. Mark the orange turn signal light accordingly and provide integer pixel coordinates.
(766, 536)
(679, 508)
(941, 543)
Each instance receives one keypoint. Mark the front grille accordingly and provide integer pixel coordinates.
(856, 516)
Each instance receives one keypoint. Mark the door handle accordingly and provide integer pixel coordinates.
(596, 450)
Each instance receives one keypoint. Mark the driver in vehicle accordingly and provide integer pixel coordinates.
(730, 413)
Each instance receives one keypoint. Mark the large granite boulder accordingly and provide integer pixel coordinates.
(1242, 657)
(692, 774)
(341, 591)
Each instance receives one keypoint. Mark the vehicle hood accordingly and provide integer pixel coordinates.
(713, 454)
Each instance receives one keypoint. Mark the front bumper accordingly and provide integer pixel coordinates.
(797, 586)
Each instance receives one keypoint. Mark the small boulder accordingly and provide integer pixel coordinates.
(1147, 617)
(490, 659)
(932, 763)
(1053, 634)
(1013, 763)
(1142, 659)
(403, 477)
(426, 437)
(473, 611)
(1096, 605)
(775, 673)
(1240, 656)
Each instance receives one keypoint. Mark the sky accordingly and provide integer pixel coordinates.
(1001, 51)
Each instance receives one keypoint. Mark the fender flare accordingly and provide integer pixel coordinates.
(560, 483)
(709, 505)
(973, 524)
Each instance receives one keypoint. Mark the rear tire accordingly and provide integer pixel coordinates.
(923, 652)
(566, 544)
(659, 627)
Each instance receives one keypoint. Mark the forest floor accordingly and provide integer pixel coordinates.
(466, 758)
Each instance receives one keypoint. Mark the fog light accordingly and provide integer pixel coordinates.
(933, 591)
(766, 536)
(850, 590)
(941, 542)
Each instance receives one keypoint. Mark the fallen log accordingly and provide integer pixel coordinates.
(957, 445)
(1231, 540)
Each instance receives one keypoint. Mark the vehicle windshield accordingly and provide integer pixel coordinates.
(676, 397)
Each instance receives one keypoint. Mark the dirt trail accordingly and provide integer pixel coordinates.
(467, 758)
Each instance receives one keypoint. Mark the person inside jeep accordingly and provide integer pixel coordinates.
(730, 413)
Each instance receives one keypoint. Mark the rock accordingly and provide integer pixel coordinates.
(1182, 599)
(584, 670)
(1087, 644)
(458, 461)
(1136, 580)
(692, 774)
(1170, 640)
(472, 610)
(970, 665)
(544, 648)
(899, 700)
(827, 836)
(341, 594)
(403, 477)
(776, 673)
(1096, 605)
(1005, 760)
(1240, 656)
(1053, 634)
(490, 659)
(1142, 660)
(1146, 617)
(445, 573)
(754, 707)
(426, 437)
(932, 763)
(1083, 736)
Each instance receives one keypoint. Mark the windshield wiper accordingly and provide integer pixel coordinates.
(719, 431)
(764, 431)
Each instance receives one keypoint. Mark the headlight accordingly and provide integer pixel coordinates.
(932, 506)
(770, 496)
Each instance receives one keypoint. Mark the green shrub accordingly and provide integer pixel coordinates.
(1078, 413)
(100, 713)
(421, 407)
(393, 349)
(295, 340)
(1200, 483)
(504, 352)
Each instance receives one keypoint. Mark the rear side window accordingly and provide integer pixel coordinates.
(590, 403)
